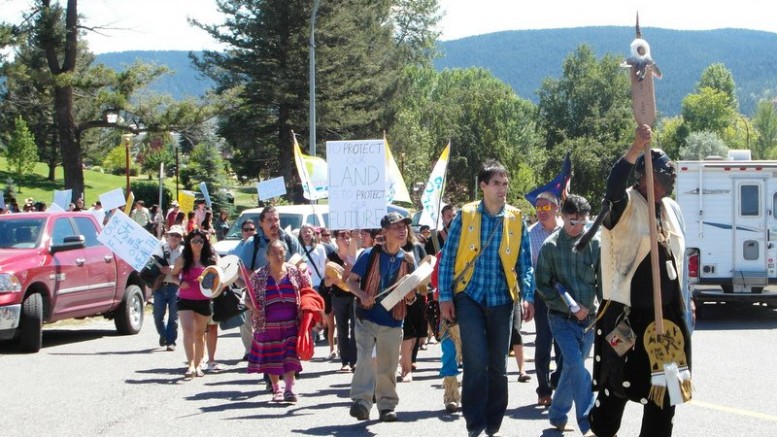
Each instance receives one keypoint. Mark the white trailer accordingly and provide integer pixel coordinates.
(730, 211)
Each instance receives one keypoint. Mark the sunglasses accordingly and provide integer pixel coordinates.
(326, 235)
(575, 222)
(545, 208)
(249, 229)
(198, 241)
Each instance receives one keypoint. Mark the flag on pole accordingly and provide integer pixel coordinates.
(432, 196)
(313, 173)
(559, 186)
(396, 190)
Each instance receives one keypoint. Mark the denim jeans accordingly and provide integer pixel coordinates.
(343, 307)
(165, 301)
(575, 382)
(542, 347)
(485, 340)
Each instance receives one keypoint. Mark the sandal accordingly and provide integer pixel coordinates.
(289, 397)
(277, 396)
(523, 377)
(345, 369)
(199, 373)
(189, 375)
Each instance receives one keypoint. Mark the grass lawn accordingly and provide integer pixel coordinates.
(36, 185)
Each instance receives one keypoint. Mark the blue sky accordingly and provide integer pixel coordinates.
(162, 25)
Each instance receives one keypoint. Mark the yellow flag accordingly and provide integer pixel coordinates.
(313, 172)
(396, 190)
(432, 195)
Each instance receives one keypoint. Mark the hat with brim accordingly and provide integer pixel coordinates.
(393, 218)
(175, 229)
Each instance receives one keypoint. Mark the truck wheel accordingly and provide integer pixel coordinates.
(31, 324)
(129, 315)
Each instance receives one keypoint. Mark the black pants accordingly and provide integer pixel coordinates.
(605, 417)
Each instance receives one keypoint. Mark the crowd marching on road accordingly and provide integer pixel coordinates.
(493, 272)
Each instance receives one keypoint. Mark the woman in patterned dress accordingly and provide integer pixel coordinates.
(274, 306)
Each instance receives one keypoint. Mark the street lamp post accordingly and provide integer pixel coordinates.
(126, 139)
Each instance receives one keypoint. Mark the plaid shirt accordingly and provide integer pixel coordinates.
(578, 272)
(485, 287)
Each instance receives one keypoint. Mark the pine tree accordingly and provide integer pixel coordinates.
(21, 151)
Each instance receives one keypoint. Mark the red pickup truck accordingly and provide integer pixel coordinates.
(52, 267)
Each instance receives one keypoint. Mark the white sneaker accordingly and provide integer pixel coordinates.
(214, 367)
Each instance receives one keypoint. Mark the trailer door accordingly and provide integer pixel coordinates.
(750, 235)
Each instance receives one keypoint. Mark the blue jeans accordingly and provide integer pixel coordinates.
(485, 340)
(542, 346)
(165, 301)
(575, 382)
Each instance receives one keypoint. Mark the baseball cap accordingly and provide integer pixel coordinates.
(174, 203)
(393, 217)
(176, 229)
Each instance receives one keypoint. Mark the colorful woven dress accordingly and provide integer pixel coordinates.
(276, 321)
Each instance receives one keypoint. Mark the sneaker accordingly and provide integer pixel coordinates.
(452, 407)
(359, 411)
(290, 397)
(277, 396)
(388, 416)
(170, 347)
(215, 367)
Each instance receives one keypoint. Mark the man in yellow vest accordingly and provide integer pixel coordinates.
(484, 269)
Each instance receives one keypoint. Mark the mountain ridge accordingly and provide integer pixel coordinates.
(524, 58)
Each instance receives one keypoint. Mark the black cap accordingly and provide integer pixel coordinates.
(661, 163)
(393, 217)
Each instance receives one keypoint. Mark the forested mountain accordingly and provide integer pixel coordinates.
(523, 58)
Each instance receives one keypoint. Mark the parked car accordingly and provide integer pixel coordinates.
(292, 218)
(52, 267)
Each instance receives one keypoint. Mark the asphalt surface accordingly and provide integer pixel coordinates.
(87, 380)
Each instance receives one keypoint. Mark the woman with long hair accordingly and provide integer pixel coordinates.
(343, 301)
(194, 308)
(274, 302)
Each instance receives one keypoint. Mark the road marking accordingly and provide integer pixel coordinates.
(738, 411)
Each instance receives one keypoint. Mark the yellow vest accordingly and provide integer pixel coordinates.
(469, 246)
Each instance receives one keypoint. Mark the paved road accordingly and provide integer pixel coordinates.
(88, 381)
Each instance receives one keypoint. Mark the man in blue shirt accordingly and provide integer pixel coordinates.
(378, 328)
(485, 268)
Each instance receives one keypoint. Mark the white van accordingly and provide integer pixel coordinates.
(292, 218)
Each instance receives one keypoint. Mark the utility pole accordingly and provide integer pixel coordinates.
(312, 66)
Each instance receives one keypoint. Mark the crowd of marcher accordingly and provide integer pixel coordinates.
(496, 268)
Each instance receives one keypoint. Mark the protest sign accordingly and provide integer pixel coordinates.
(62, 198)
(128, 240)
(204, 190)
(112, 199)
(271, 188)
(357, 183)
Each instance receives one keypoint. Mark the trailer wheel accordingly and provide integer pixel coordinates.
(31, 324)
(129, 315)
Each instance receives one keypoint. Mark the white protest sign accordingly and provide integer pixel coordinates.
(54, 208)
(204, 189)
(357, 183)
(62, 198)
(128, 240)
(112, 199)
(271, 188)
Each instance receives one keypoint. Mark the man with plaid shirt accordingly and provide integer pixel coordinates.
(484, 269)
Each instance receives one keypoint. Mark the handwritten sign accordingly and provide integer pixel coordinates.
(204, 190)
(186, 201)
(128, 240)
(62, 198)
(357, 183)
(112, 199)
(271, 188)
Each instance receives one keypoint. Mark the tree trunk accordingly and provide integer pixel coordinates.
(69, 141)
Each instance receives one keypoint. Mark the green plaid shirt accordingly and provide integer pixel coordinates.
(578, 272)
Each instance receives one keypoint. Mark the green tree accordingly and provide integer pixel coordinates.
(586, 111)
(20, 150)
(765, 123)
(718, 77)
(707, 110)
(700, 145)
(361, 45)
(482, 118)
(671, 135)
(115, 162)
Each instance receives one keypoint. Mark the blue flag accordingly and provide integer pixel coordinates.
(559, 186)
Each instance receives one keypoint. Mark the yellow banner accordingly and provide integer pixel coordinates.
(185, 201)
